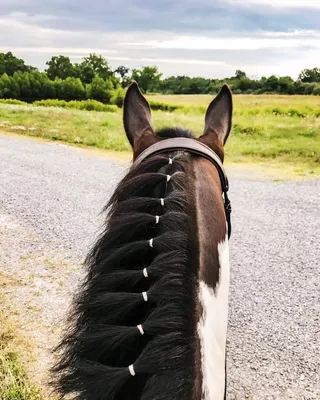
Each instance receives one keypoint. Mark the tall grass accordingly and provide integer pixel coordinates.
(88, 105)
(266, 129)
(14, 384)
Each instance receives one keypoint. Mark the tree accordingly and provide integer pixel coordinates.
(240, 74)
(316, 90)
(9, 89)
(84, 72)
(48, 89)
(310, 75)
(98, 65)
(36, 80)
(123, 72)
(23, 81)
(118, 97)
(72, 89)
(286, 85)
(100, 89)
(93, 78)
(245, 84)
(271, 84)
(60, 67)
(9, 64)
(148, 78)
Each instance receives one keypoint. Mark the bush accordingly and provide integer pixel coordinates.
(32, 86)
(118, 97)
(12, 101)
(92, 105)
(236, 91)
(88, 105)
(289, 112)
(293, 112)
(51, 103)
(157, 105)
(309, 87)
(100, 89)
(316, 90)
(239, 129)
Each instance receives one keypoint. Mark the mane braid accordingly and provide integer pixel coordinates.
(131, 330)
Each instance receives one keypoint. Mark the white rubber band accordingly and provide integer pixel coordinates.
(140, 329)
(145, 296)
(145, 272)
(151, 242)
(162, 202)
(157, 219)
(131, 370)
(168, 178)
(170, 161)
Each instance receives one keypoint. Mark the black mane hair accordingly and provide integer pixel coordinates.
(103, 338)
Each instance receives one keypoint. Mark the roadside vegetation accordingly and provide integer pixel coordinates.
(276, 119)
(278, 130)
(94, 79)
(14, 383)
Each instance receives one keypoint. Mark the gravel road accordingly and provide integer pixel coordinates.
(50, 199)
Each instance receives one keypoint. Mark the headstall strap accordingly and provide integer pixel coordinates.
(200, 149)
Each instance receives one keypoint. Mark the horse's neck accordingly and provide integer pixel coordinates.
(213, 282)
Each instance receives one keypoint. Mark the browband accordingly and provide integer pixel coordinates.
(195, 147)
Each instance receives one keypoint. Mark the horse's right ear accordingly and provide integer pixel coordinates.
(136, 115)
(218, 117)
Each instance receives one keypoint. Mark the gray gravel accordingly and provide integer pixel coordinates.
(50, 199)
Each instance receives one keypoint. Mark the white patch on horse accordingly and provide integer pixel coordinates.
(212, 329)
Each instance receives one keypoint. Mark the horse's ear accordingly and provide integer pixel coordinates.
(218, 117)
(136, 114)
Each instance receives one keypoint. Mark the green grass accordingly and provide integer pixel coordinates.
(88, 105)
(281, 131)
(240, 101)
(14, 384)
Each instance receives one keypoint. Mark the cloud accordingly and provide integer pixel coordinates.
(194, 37)
(261, 41)
(313, 4)
(178, 16)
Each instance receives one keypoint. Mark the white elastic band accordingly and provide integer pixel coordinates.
(145, 272)
(131, 370)
(170, 160)
(168, 178)
(145, 296)
(140, 329)
(162, 202)
(157, 219)
(151, 242)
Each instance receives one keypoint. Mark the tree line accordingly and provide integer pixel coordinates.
(93, 78)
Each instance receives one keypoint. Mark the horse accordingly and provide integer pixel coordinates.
(150, 319)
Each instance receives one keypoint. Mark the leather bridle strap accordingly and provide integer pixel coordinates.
(195, 147)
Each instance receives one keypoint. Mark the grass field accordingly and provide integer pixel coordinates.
(283, 131)
(242, 101)
(14, 383)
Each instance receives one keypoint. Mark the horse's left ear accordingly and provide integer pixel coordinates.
(218, 119)
(136, 115)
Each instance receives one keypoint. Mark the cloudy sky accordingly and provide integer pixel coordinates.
(210, 38)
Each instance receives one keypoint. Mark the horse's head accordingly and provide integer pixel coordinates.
(151, 321)
(141, 134)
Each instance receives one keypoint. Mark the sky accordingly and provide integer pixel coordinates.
(209, 38)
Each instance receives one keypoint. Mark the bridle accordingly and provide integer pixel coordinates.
(199, 149)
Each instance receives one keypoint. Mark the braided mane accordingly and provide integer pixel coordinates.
(131, 334)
